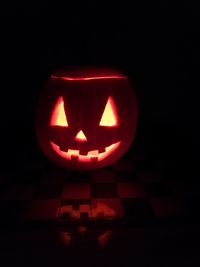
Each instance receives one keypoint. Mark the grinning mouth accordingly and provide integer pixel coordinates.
(94, 155)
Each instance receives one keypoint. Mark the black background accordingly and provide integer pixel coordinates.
(155, 43)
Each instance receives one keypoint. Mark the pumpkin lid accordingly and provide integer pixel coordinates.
(87, 74)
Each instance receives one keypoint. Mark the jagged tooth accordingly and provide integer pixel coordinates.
(73, 152)
(93, 153)
(102, 150)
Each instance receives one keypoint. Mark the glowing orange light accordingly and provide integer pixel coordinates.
(65, 237)
(88, 78)
(93, 153)
(82, 229)
(93, 212)
(109, 117)
(80, 137)
(104, 238)
(85, 158)
(102, 208)
(58, 116)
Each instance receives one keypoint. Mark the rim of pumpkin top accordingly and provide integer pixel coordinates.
(67, 78)
(88, 73)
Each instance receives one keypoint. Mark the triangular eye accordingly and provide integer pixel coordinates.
(58, 117)
(109, 117)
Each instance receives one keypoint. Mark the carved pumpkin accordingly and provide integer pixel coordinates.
(86, 119)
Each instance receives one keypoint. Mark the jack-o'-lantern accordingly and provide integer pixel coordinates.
(86, 119)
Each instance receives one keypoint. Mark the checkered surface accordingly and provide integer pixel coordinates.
(127, 192)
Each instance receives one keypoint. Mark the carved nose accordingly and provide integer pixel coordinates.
(80, 137)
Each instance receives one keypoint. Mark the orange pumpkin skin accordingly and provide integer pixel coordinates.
(86, 119)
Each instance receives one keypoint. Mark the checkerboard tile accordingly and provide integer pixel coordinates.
(77, 177)
(157, 189)
(107, 208)
(42, 209)
(74, 209)
(124, 191)
(137, 209)
(130, 190)
(76, 191)
(53, 177)
(102, 176)
(149, 176)
(166, 206)
(104, 190)
(126, 176)
(124, 165)
(19, 192)
(48, 191)
(75, 203)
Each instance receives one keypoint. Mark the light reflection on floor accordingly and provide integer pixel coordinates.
(83, 235)
(99, 210)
